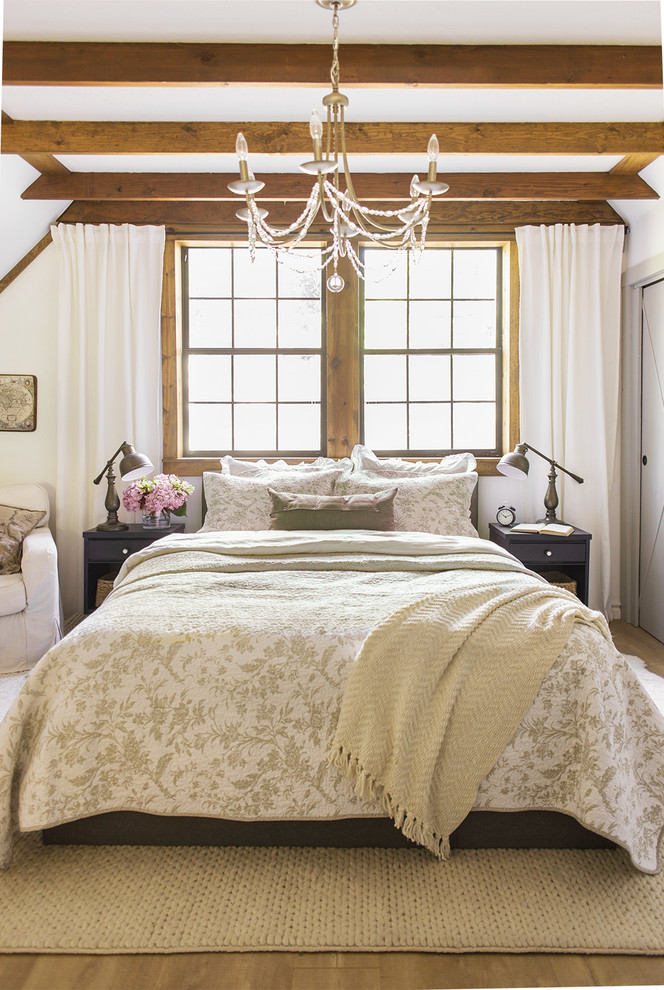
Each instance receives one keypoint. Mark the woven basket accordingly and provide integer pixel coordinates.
(104, 587)
(560, 580)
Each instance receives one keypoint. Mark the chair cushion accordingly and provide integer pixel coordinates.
(15, 524)
(12, 594)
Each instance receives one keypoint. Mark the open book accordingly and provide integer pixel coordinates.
(549, 529)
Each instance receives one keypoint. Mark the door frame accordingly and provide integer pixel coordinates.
(634, 281)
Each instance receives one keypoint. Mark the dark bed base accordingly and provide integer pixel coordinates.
(480, 830)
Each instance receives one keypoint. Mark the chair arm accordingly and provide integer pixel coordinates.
(39, 566)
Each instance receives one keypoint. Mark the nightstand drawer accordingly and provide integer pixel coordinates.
(113, 550)
(549, 553)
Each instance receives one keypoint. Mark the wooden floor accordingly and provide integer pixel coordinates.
(343, 970)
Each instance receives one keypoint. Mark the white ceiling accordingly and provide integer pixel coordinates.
(634, 22)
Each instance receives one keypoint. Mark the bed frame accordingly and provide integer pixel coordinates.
(480, 830)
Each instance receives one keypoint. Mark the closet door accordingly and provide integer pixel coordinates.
(651, 566)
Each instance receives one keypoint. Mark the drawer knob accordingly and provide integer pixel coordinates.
(548, 553)
(125, 549)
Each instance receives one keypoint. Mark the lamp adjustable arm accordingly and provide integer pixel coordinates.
(553, 463)
(109, 463)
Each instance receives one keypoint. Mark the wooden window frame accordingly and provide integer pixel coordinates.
(342, 392)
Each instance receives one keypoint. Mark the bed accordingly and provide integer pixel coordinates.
(198, 703)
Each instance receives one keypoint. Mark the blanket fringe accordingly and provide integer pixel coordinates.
(367, 787)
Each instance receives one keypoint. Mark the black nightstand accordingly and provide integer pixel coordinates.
(539, 552)
(106, 552)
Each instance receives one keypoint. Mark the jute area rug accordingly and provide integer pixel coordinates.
(129, 899)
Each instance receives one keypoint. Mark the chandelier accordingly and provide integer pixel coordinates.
(340, 207)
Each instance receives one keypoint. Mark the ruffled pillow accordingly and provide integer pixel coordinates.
(364, 459)
(231, 465)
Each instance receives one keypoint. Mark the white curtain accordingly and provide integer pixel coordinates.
(108, 372)
(569, 354)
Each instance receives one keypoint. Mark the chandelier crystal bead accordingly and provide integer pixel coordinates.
(400, 229)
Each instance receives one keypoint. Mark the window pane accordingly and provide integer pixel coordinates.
(384, 325)
(430, 324)
(299, 378)
(474, 324)
(254, 278)
(255, 427)
(210, 427)
(303, 283)
(255, 378)
(429, 426)
(474, 425)
(475, 274)
(299, 323)
(210, 323)
(385, 426)
(385, 274)
(210, 272)
(255, 322)
(431, 276)
(384, 377)
(429, 377)
(474, 376)
(209, 378)
(299, 427)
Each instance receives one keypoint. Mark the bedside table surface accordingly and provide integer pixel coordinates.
(135, 531)
(576, 536)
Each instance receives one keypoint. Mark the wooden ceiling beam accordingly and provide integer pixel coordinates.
(46, 63)
(632, 164)
(207, 215)
(295, 187)
(65, 137)
(44, 163)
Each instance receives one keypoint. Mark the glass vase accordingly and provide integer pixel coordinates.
(157, 520)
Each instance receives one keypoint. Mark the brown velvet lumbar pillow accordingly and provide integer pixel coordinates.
(294, 511)
(15, 524)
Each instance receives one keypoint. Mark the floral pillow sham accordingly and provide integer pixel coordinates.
(240, 502)
(15, 525)
(434, 503)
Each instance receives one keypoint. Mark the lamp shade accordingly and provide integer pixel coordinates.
(514, 464)
(134, 465)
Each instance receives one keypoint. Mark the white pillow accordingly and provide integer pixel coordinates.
(238, 502)
(231, 465)
(364, 459)
(438, 503)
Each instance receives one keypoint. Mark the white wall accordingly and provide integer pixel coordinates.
(27, 333)
(646, 220)
(23, 222)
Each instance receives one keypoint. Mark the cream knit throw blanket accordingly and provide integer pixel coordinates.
(438, 690)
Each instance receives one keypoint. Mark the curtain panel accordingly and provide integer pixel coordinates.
(569, 353)
(108, 372)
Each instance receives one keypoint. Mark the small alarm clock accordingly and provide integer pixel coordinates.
(506, 515)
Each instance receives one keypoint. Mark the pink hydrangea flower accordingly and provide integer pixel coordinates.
(164, 491)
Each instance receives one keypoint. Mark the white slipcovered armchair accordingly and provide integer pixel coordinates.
(30, 617)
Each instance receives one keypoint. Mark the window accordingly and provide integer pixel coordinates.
(431, 352)
(252, 352)
(260, 361)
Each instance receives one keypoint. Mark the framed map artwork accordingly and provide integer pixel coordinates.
(18, 403)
